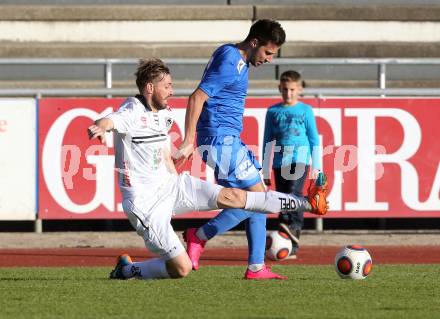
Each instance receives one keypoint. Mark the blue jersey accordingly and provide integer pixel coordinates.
(225, 81)
(293, 128)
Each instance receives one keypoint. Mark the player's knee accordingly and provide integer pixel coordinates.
(181, 270)
(237, 196)
(185, 271)
(231, 198)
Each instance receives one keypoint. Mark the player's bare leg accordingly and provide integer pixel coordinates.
(196, 238)
(180, 266)
(155, 268)
(259, 200)
(229, 198)
(263, 202)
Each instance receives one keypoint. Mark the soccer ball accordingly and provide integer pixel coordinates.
(278, 245)
(353, 262)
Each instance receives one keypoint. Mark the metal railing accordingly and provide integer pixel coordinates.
(109, 91)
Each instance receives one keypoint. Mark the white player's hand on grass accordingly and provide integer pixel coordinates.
(95, 131)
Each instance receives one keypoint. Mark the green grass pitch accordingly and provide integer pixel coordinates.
(391, 291)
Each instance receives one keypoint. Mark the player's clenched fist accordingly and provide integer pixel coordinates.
(96, 132)
(98, 129)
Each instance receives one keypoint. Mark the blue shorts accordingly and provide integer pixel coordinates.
(233, 163)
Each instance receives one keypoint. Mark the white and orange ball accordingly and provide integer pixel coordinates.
(353, 262)
(278, 245)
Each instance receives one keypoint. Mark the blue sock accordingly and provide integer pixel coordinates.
(255, 230)
(256, 236)
(224, 221)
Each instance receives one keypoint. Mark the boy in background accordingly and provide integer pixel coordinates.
(291, 126)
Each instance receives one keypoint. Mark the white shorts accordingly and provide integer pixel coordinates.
(150, 212)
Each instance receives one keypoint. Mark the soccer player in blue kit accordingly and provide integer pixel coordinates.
(152, 190)
(215, 110)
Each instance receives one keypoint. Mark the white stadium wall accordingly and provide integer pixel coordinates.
(124, 31)
(18, 159)
(219, 31)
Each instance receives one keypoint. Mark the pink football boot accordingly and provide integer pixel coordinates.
(194, 246)
(264, 273)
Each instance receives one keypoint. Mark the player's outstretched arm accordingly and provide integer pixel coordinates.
(98, 129)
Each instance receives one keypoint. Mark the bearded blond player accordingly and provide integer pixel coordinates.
(153, 191)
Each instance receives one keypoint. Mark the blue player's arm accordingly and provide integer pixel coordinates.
(219, 73)
(313, 137)
(267, 147)
(193, 110)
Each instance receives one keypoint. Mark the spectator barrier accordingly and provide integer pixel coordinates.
(381, 155)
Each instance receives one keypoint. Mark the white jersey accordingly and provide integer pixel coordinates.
(140, 139)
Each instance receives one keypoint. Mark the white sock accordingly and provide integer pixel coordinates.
(127, 272)
(255, 267)
(273, 202)
(201, 234)
(148, 269)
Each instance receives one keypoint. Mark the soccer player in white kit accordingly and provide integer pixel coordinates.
(151, 188)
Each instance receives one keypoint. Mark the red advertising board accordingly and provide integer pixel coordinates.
(76, 176)
(381, 156)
